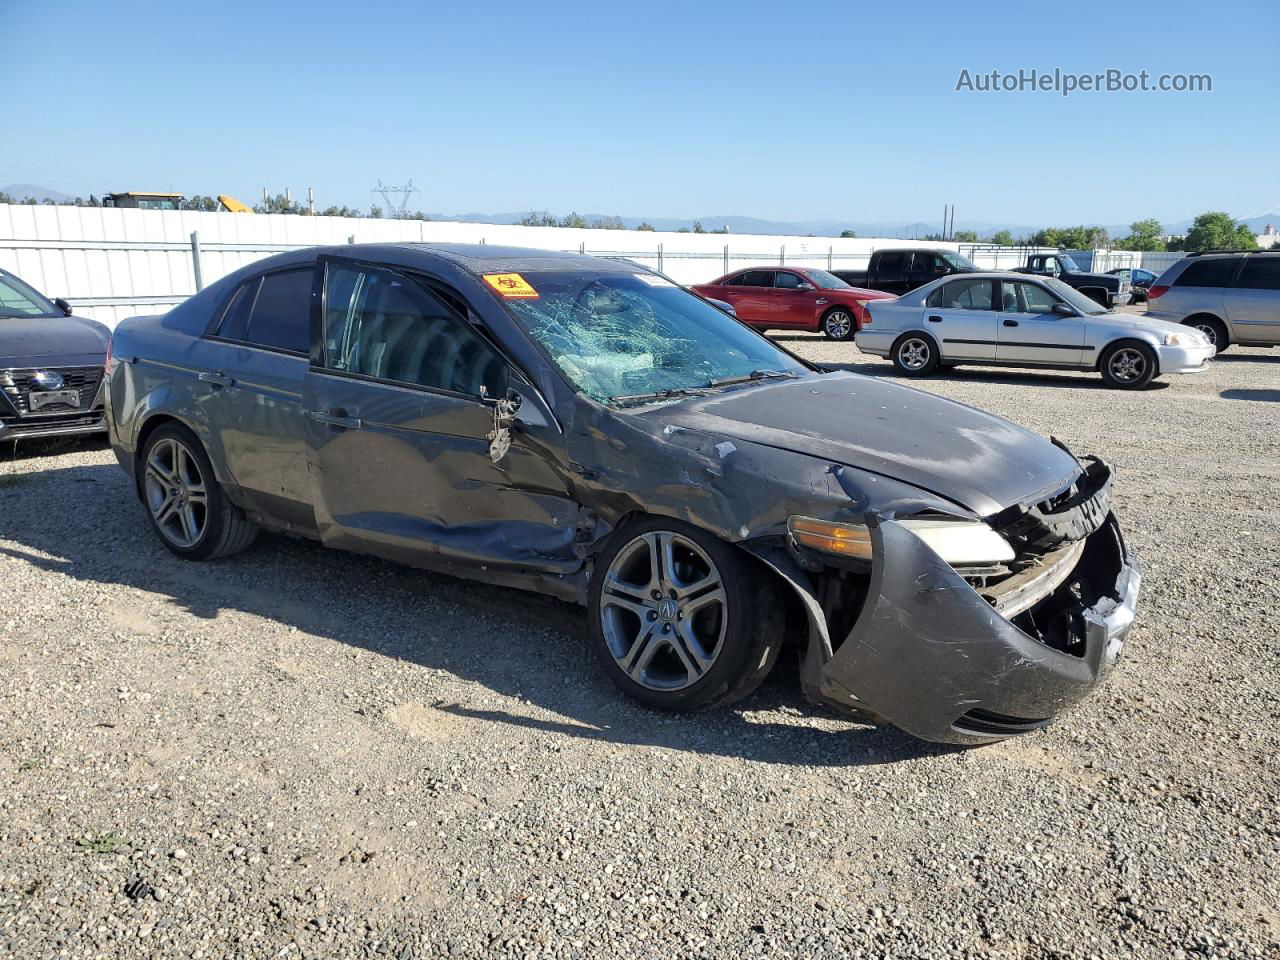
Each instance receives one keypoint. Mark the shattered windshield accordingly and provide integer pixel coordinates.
(624, 338)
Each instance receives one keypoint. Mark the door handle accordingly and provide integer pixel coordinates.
(216, 380)
(935, 319)
(335, 419)
(1011, 323)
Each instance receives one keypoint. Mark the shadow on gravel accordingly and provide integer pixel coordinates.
(16, 451)
(1263, 396)
(84, 522)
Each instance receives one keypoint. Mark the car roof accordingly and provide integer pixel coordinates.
(493, 258)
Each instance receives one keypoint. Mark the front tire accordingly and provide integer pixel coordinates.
(838, 324)
(916, 355)
(681, 620)
(186, 505)
(1128, 365)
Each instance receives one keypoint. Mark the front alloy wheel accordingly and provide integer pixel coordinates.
(1128, 366)
(838, 325)
(680, 619)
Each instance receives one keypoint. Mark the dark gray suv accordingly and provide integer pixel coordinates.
(1230, 297)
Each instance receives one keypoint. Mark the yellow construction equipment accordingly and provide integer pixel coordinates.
(232, 205)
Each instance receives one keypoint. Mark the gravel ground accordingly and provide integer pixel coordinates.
(301, 753)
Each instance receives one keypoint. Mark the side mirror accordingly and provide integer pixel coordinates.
(1064, 309)
(63, 306)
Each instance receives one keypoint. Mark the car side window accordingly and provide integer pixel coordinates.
(1027, 298)
(757, 278)
(964, 295)
(1208, 272)
(273, 311)
(892, 263)
(735, 281)
(382, 324)
(1260, 273)
(788, 280)
(922, 262)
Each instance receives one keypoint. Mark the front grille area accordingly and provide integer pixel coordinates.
(986, 723)
(16, 385)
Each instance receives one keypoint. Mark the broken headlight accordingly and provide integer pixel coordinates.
(958, 542)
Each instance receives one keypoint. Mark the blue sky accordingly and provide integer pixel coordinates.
(798, 111)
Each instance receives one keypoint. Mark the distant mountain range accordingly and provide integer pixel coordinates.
(741, 224)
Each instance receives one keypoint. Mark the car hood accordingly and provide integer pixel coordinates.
(862, 293)
(975, 459)
(51, 341)
(1138, 323)
(1096, 276)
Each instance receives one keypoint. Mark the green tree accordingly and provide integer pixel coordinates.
(697, 227)
(1215, 230)
(1002, 237)
(1144, 235)
(280, 204)
(343, 211)
(200, 202)
(646, 226)
(375, 212)
(965, 236)
(573, 220)
(847, 234)
(610, 223)
(1072, 238)
(5, 198)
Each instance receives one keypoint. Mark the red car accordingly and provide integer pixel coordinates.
(794, 298)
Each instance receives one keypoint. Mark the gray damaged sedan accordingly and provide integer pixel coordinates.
(586, 429)
(1014, 320)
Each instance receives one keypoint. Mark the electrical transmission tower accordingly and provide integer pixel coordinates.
(396, 198)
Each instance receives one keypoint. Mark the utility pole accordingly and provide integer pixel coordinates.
(395, 207)
(311, 202)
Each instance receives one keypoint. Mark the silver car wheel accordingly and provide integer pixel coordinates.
(176, 493)
(914, 354)
(1127, 365)
(837, 324)
(1209, 330)
(663, 611)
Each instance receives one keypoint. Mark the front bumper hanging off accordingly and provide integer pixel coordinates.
(932, 656)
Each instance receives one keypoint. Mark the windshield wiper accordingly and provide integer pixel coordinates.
(753, 375)
(659, 395)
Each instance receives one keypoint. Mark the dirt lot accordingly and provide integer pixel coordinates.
(305, 753)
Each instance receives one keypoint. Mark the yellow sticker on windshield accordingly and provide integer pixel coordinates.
(511, 285)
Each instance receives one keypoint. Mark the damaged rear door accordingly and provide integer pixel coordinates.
(400, 412)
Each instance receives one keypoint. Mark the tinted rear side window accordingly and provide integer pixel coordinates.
(235, 318)
(892, 263)
(281, 316)
(757, 278)
(1212, 272)
(1261, 273)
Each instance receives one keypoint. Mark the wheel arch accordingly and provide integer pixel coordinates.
(1190, 321)
(1129, 341)
(157, 418)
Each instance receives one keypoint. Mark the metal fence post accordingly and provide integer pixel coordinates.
(831, 256)
(782, 256)
(660, 258)
(726, 258)
(195, 260)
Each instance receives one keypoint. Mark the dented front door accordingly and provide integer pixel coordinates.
(399, 426)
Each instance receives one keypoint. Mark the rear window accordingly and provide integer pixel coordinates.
(281, 315)
(757, 278)
(1260, 273)
(1212, 272)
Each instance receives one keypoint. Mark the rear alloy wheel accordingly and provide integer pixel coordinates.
(915, 355)
(838, 324)
(679, 618)
(184, 501)
(1214, 329)
(1128, 366)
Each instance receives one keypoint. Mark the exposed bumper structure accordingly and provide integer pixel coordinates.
(932, 656)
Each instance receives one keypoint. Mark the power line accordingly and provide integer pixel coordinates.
(396, 198)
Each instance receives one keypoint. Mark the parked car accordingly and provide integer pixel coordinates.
(899, 271)
(51, 365)
(1013, 320)
(571, 425)
(792, 298)
(1102, 288)
(1231, 297)
(718, 304)
(1140, 281)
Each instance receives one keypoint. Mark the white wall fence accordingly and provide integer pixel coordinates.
(112, 263)
(1157, 263)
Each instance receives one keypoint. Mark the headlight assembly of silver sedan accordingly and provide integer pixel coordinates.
(1184, 339)
(958, 542)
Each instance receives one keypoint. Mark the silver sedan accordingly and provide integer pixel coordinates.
(1015, 320)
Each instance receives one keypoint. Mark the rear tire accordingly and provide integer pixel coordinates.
(1213, 328)
(915, 354)
(1128, 365)
(838, 324)
(187, 507)
(681, 620)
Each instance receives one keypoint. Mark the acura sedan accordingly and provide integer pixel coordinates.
(1013, 320)
(575, 426)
